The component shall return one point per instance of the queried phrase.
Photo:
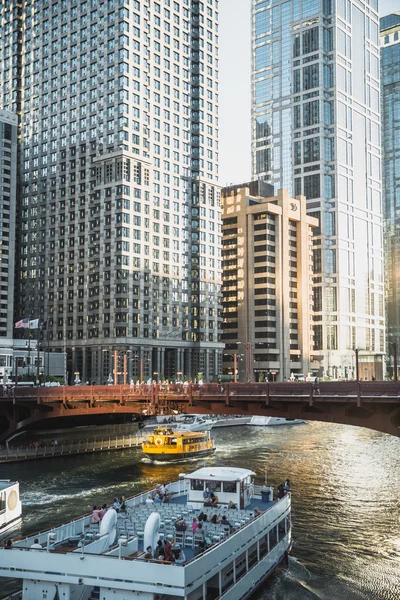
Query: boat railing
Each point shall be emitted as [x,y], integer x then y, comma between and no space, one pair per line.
[78,526]
[237,531]
[14,596]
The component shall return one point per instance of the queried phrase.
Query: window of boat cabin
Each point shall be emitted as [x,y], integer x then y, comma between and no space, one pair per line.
[2,502]
[229,487]
[214,486]
[197,484]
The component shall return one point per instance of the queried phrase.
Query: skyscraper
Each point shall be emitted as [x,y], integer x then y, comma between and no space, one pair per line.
[316,131]
[119,204]
[8,196]
[390,87]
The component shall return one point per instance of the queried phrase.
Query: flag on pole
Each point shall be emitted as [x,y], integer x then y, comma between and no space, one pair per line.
[22,324]
[27,324]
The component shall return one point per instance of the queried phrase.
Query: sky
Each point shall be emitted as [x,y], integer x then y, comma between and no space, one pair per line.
[234,88]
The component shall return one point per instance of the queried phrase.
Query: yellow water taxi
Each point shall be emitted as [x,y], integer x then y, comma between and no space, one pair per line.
[165,444]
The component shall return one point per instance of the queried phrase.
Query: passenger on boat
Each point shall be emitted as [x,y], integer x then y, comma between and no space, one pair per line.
[8,545]
[169,543]
[123,504]
[225,523]
[180,524]
[214,519]
[257,512]
[281,491]
[36,545]
[200,530]
[286,486]
[199,548]
[117,504]
[159,551]
[157,498]
[149,501]
[96,514]
[213,500]
[149,552]
[181,558]
[103,511]
[231,504]
[206,494]
[195,524]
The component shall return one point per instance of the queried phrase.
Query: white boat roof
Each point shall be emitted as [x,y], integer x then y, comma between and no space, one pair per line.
[6,483]
[220,474]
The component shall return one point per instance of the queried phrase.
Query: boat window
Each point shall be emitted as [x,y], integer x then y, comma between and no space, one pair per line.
[229,487]
[197,484]
[214,486]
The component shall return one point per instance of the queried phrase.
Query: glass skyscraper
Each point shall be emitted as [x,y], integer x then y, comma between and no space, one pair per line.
[119,210]
[316,132]
[390,87]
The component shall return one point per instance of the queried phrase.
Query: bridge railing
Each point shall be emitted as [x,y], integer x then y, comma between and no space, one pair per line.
[156,393]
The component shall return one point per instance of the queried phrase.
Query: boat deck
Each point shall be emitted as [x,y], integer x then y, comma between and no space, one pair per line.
[83,536]
[134,521]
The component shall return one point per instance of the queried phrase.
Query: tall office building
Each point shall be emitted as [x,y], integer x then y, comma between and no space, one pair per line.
[119,207]
[390,89]
[267,283]
[8,197]
[316,132]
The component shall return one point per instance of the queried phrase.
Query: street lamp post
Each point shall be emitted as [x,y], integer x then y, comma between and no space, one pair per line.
[117,353]
[248,346]
[357,368]
[394,344]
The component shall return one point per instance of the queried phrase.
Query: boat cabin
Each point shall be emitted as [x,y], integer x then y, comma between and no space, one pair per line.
[10,505]
[227,484]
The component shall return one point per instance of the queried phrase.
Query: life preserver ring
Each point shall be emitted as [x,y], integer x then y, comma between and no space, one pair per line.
[158,441]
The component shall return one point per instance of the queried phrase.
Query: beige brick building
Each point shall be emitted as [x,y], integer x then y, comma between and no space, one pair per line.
[267,279]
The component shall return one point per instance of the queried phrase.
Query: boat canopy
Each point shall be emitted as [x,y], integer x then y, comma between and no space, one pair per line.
[220,474]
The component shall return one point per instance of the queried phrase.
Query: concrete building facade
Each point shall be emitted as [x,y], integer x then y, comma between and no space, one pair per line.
[267,282]
[120,210]
[316,132]
[390,87]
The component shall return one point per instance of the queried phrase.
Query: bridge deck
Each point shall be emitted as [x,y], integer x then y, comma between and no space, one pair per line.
[370,404]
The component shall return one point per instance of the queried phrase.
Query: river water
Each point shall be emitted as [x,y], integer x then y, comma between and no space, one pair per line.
[345,484]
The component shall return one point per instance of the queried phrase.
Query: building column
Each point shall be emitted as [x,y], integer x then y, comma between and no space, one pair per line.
[178,363]
[188,363]
[161,370]
[84,374]
[206,374]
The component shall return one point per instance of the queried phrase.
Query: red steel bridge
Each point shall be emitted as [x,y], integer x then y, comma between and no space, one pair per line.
[375,405]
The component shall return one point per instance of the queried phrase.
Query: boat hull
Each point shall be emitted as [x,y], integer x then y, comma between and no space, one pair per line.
[10,526]
[165,457]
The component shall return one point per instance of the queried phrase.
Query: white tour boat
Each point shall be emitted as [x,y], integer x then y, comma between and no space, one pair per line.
[269,421]
[10,506]
[83,561]
[230,421]
[181,422]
